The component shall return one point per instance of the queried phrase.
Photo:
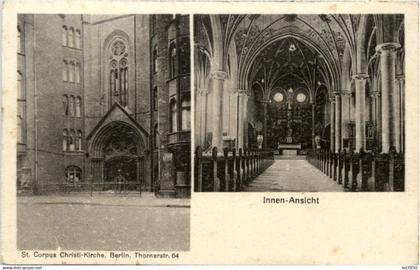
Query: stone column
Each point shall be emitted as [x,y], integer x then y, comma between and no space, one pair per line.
[376,97]
[360,83]
[332,124]
[245,115]
[218,78]
[265,105]
[345,113]
[242,96]
[401,86]
[202,92]
[337,121]
[313,126]
[388,53]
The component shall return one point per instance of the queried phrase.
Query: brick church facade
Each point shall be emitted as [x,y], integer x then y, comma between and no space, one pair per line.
[101,96]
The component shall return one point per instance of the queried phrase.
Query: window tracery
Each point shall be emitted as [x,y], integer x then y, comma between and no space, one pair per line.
[185,113]
[73,175]
[70,41]
[78,106]
[173,109]
[65,140]
[119,77]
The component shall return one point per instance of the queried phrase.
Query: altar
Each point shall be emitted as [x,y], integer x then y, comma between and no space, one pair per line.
[288,149]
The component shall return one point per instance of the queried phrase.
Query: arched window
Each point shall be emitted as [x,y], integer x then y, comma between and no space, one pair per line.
[71,105]
[20,93]
[119,75]
[155,98]
[172,60]
[65,140]
[77,72]
[155,136]
[185,111]
[65,71]
[73,175]
[173,109]
[72,139]
[72,68]
[154,62]
[184,56]
[20,129]
[77,39]
[21,122]
[19,41]
[64,35]
[78,140]
[71,37]
[123,82]
[78,105]
[66,104]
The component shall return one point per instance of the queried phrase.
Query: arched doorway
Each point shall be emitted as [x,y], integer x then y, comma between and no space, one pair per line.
[120,152]
[118,157]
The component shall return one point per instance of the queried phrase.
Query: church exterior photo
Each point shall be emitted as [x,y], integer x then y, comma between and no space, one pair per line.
[103,104]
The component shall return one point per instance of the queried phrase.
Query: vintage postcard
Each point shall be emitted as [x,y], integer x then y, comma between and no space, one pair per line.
[210,133]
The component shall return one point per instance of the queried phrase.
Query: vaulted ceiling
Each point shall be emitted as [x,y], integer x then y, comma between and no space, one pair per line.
[287,63]
[250,45]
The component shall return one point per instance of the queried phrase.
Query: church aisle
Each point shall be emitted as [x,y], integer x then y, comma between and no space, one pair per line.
[293,176]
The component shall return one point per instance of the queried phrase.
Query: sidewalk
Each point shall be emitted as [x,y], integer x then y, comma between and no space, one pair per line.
[146,199]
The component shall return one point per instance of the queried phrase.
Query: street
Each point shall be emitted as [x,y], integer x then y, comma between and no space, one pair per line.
[81,222]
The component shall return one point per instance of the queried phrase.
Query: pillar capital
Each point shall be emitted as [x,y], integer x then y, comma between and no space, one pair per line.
[360,76]
[218,75]
[400,77]
[375,94]
[389,47]
[241,92]
[203,91]
[265,101]
[337,93]
[346,93]
[332,99]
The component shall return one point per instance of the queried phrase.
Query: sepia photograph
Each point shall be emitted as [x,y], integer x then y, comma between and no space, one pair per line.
[299,103]
[209,133]
[103,132]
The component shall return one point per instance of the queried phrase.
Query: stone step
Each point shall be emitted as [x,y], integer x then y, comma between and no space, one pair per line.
[289,157]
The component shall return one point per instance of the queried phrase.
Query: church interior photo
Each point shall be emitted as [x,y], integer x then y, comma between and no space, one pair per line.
[281,98]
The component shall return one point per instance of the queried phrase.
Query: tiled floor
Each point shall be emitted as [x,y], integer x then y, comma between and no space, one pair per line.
[293,176]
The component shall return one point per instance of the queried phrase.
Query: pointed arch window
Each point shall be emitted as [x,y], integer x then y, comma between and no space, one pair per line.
[65,140]
[72,68]
[77,72]
[64,35]
[172,60]
[186,113]
[72,140]
[173,120]
[77,39]
[65,71]
[71,105]
[155,136]
[155,98]
[119,73]
[19,129]
[79,140]
[78,106]
[70,41]
[154,62]
[184,56]
[20,93]
[66,104]
[20,40]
